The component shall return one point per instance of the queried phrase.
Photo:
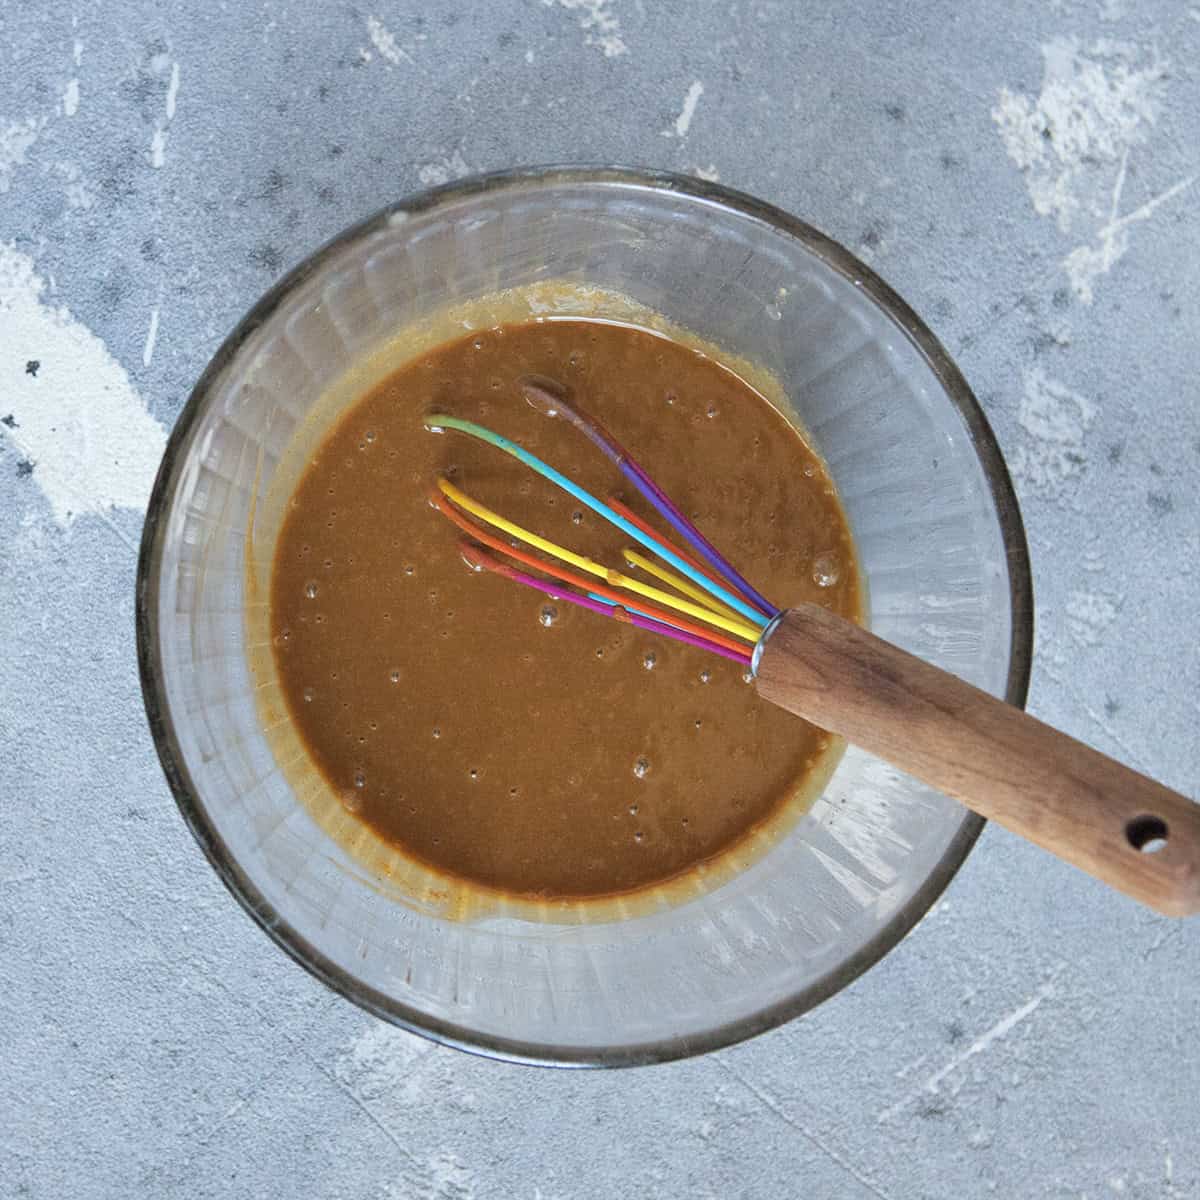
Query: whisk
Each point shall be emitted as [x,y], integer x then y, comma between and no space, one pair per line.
[1119,826]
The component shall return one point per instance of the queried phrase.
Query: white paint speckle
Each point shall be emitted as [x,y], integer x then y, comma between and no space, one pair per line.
[380,1060]
[78,419]
[441,1175]
[1092,107]
[529,56]
[709,173]
[15,139]
[434,173]
[1089,614]
[158,139]
[151,337]
[1085,264]
[172,92]
[683,122]
[75,190]
[385,42]
[1072,143]
[1055,421]
[451,1178]
[70,100]
[599,23]
[1000,1030]
[77,52]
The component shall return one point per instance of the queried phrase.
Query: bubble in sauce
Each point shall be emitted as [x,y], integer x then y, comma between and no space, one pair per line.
[394,674]
[705,675]
[548,615]
[310,589]
[308,695]
[641,768]
[352,800]
[826,570]
[650,661]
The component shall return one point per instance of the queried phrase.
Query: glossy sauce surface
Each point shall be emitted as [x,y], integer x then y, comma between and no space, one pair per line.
[506,739]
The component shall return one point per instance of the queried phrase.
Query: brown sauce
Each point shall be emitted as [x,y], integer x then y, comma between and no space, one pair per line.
[505,739]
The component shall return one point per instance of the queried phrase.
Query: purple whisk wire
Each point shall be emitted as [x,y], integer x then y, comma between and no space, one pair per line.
[546,397]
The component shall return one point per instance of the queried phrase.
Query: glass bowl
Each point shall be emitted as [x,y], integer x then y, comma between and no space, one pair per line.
[942,554]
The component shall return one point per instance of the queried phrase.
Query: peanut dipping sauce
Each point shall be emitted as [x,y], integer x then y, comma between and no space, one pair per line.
[509,740]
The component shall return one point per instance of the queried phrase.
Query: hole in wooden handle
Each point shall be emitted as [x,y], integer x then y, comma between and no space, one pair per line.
[1147,834]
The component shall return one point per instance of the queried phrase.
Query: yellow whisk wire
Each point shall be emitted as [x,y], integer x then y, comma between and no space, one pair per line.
[734,625]
[634,559]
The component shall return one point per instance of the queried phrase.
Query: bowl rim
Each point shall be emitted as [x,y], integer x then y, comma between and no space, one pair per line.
[187,797]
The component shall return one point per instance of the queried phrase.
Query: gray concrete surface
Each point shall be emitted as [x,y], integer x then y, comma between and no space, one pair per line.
[1027,174]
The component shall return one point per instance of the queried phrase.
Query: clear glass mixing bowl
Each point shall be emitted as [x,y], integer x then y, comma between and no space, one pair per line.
[942,552]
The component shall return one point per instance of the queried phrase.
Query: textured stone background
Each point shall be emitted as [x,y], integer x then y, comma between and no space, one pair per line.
[1025,174]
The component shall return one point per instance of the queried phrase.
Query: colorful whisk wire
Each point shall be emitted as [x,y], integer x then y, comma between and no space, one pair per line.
[438,422]
[710,600]
[601,598]
[481,560]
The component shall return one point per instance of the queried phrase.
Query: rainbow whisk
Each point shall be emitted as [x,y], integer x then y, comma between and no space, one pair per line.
[711,606]
[1114,823]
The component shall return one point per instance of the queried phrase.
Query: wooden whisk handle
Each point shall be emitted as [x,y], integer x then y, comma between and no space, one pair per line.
[1121,827]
